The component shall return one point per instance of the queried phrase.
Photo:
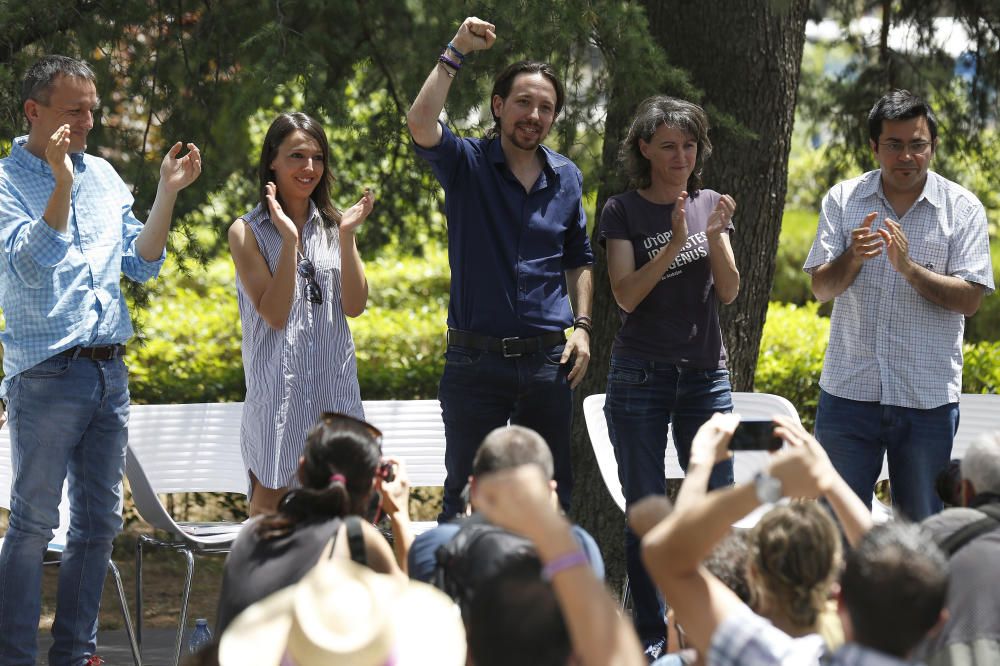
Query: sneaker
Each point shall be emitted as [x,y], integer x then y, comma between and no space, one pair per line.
[94,660]
[653,649]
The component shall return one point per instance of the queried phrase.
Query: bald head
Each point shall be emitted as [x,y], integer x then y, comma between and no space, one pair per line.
[512,446]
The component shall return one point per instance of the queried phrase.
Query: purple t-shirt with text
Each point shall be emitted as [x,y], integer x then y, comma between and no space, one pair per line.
[678,321]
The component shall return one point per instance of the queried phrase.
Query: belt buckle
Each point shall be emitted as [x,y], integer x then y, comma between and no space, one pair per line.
[504,350]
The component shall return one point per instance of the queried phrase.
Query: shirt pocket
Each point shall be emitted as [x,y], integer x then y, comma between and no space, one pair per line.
[931,254]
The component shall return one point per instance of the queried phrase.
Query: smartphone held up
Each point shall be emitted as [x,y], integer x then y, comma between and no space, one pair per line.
[755,435]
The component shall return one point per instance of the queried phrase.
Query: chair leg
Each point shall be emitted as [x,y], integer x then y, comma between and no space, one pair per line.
[138,594]
[184,606]
[129,630]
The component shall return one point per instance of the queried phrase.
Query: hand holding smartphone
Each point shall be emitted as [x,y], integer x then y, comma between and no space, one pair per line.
[755,435]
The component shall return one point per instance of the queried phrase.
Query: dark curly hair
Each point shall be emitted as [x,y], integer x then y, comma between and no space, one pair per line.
[651,114]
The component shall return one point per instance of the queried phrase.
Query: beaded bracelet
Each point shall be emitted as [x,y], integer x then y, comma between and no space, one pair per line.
[448,61]
[451,47]
[563,562]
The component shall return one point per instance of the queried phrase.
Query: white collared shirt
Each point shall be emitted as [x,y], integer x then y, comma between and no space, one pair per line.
[889,344]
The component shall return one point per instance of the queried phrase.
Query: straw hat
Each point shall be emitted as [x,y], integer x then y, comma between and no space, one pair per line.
[344,613]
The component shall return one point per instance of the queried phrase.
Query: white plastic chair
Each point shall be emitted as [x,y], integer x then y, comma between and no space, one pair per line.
[745,463]
[178,449]
[57,545]
[412,431]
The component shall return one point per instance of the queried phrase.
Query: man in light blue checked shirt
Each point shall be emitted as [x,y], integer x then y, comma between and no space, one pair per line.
[905,256]
[68,233]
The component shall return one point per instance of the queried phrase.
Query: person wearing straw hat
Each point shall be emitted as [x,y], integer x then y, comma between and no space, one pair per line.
[344,613]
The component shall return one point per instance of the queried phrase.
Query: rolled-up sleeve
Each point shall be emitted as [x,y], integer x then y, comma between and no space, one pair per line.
[134,267]
[30,246]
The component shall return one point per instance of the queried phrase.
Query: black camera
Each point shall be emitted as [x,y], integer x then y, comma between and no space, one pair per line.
[386,471]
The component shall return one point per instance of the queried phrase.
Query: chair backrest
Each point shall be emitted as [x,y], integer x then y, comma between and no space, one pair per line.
[597,429]
[412,430]
[7,480]
[745,464]
[183,448]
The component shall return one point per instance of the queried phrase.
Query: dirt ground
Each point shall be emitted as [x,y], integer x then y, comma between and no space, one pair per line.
[163,578]
[163,572]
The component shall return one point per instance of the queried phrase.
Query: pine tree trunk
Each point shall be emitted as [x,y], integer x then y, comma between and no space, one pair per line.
[745,56]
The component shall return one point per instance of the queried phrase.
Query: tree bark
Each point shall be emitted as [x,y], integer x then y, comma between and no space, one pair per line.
[745,56]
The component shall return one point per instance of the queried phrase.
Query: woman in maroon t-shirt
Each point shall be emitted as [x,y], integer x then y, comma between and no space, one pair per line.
[670,264]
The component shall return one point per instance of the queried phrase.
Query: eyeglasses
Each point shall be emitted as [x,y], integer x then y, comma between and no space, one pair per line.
[912,148]
[331,418]
[308,271]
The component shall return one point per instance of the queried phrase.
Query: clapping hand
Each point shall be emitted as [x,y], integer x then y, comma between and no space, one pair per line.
[176,173]
[865,243]
[57,154]
[286,227]
[721,215]
[358,213]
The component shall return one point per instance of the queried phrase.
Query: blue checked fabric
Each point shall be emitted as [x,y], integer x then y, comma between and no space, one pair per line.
[746,639]
[888,344]
[62,290]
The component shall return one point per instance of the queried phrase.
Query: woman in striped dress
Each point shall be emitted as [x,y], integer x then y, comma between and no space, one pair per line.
[298,273]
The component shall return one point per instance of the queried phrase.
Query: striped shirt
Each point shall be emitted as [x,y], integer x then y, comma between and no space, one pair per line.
[60,290]
[888,343]
[306,368]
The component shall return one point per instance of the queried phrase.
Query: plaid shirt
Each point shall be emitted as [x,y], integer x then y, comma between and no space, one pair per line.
[889,344]
[746,639]
[60,290]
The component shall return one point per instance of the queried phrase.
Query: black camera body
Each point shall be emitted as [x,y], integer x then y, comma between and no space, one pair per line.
[386,471]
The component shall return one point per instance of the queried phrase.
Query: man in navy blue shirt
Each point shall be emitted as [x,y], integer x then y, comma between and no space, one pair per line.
[519,257]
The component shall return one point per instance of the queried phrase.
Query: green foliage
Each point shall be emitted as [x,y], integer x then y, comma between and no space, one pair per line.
[190,349]
[400,339]
[791,283]
[791,356]
[981,372]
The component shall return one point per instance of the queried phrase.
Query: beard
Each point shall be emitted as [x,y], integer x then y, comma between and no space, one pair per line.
[525,142]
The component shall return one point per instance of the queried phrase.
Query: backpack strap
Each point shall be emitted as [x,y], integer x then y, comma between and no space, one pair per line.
[954,542]
[356,540]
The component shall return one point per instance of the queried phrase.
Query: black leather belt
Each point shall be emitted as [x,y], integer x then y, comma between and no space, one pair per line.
[102,353]
[509,347]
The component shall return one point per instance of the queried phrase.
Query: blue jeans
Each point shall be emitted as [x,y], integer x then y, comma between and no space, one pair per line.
[481,390]
[916,442]
[643,399]
[67,417]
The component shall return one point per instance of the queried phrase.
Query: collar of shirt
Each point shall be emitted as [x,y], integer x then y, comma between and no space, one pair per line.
[932,193]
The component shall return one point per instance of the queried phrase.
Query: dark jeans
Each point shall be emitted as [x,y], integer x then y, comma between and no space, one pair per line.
[916,442]
[643,399]
[481,390]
